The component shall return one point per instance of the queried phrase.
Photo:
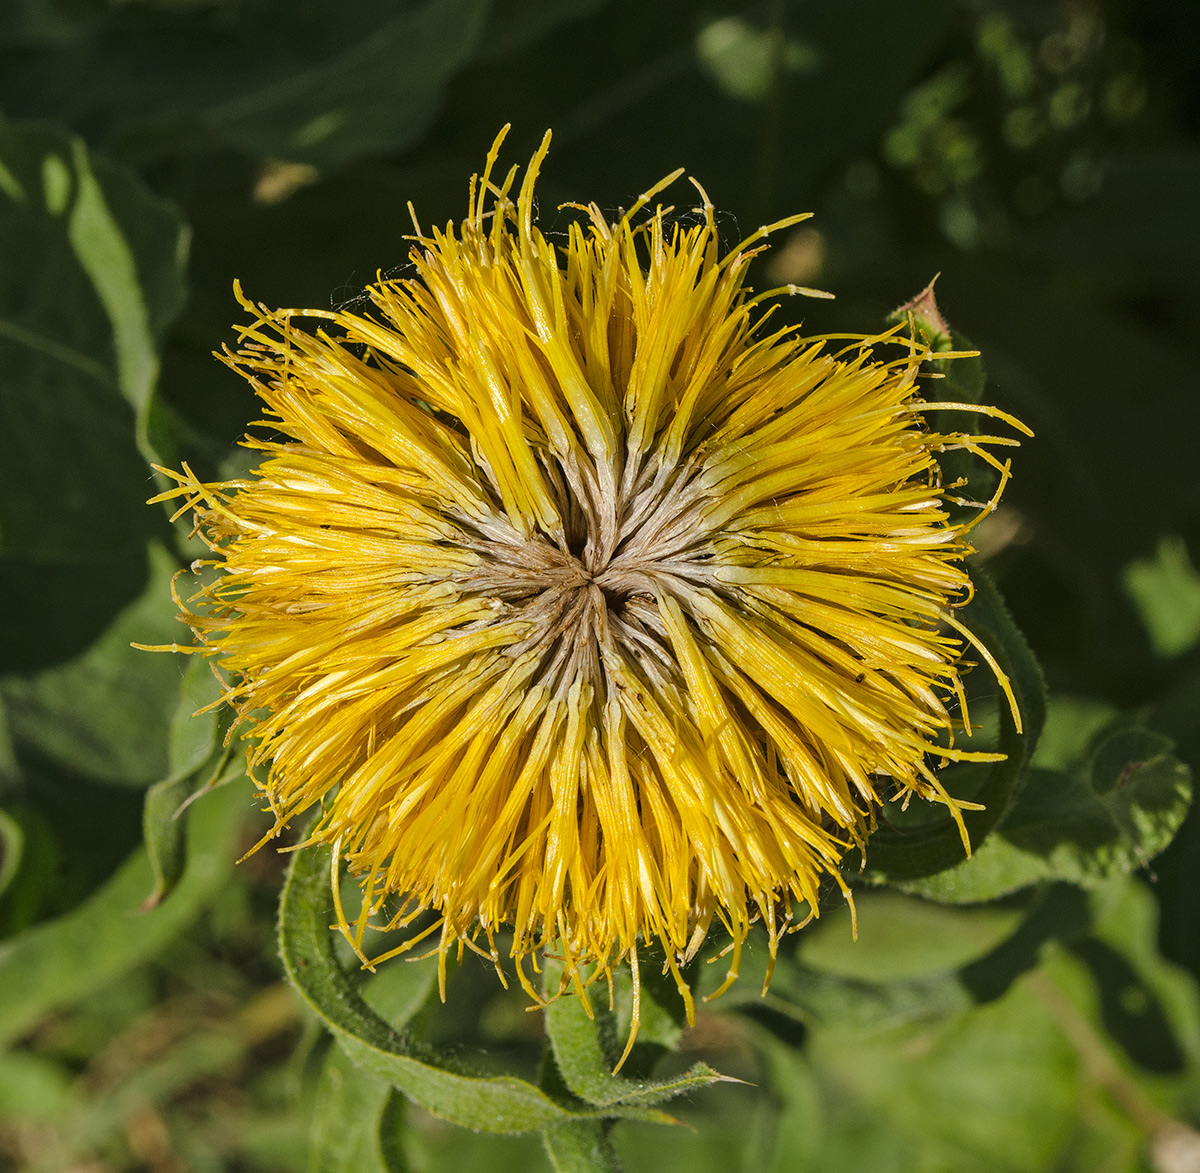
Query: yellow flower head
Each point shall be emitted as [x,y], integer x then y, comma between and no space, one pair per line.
[585,606]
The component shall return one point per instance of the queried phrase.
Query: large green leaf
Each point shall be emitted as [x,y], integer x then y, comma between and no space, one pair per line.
[91,276]
[196,757]
[319,86]
[988,1091]
[439,1084]
[375,96]
[900,936]
[109,712]
[1104,820]
[880,989]
[796,1143]
[63,959]
[92,268]
[903,849]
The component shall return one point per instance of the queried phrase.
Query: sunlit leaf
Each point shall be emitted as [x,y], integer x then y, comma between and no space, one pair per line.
[884,991]
[1166,591]
[900,936]
[991,1089]
[12,844]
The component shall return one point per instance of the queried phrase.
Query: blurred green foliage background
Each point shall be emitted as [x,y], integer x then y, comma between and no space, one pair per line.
[1042,157]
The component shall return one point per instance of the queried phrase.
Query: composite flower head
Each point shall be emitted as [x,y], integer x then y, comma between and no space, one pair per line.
[590,608]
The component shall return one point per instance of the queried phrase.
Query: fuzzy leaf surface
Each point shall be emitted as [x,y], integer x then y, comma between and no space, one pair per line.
[64,959]
[440,1085]
[586,1050]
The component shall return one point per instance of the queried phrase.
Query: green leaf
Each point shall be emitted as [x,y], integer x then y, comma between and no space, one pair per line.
[348,1110]
[316,86]
[37,876]
[165,814]
[901,936]
[93,276]
[964,379]
[392,1132]
[994,1089]
[63,959]
[441,1085]
[374,97]
[194,736]
[586,1049]
[196,758]
[12,844]
[1106,820]
[1145,790]
[164,832]
[34,1088]
[900,853]
[108,713]
[513,24]
[397,992]
[93,268]
[580,1147]
[1073,724]
[1166,591]
[796,1142]
[803,991]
